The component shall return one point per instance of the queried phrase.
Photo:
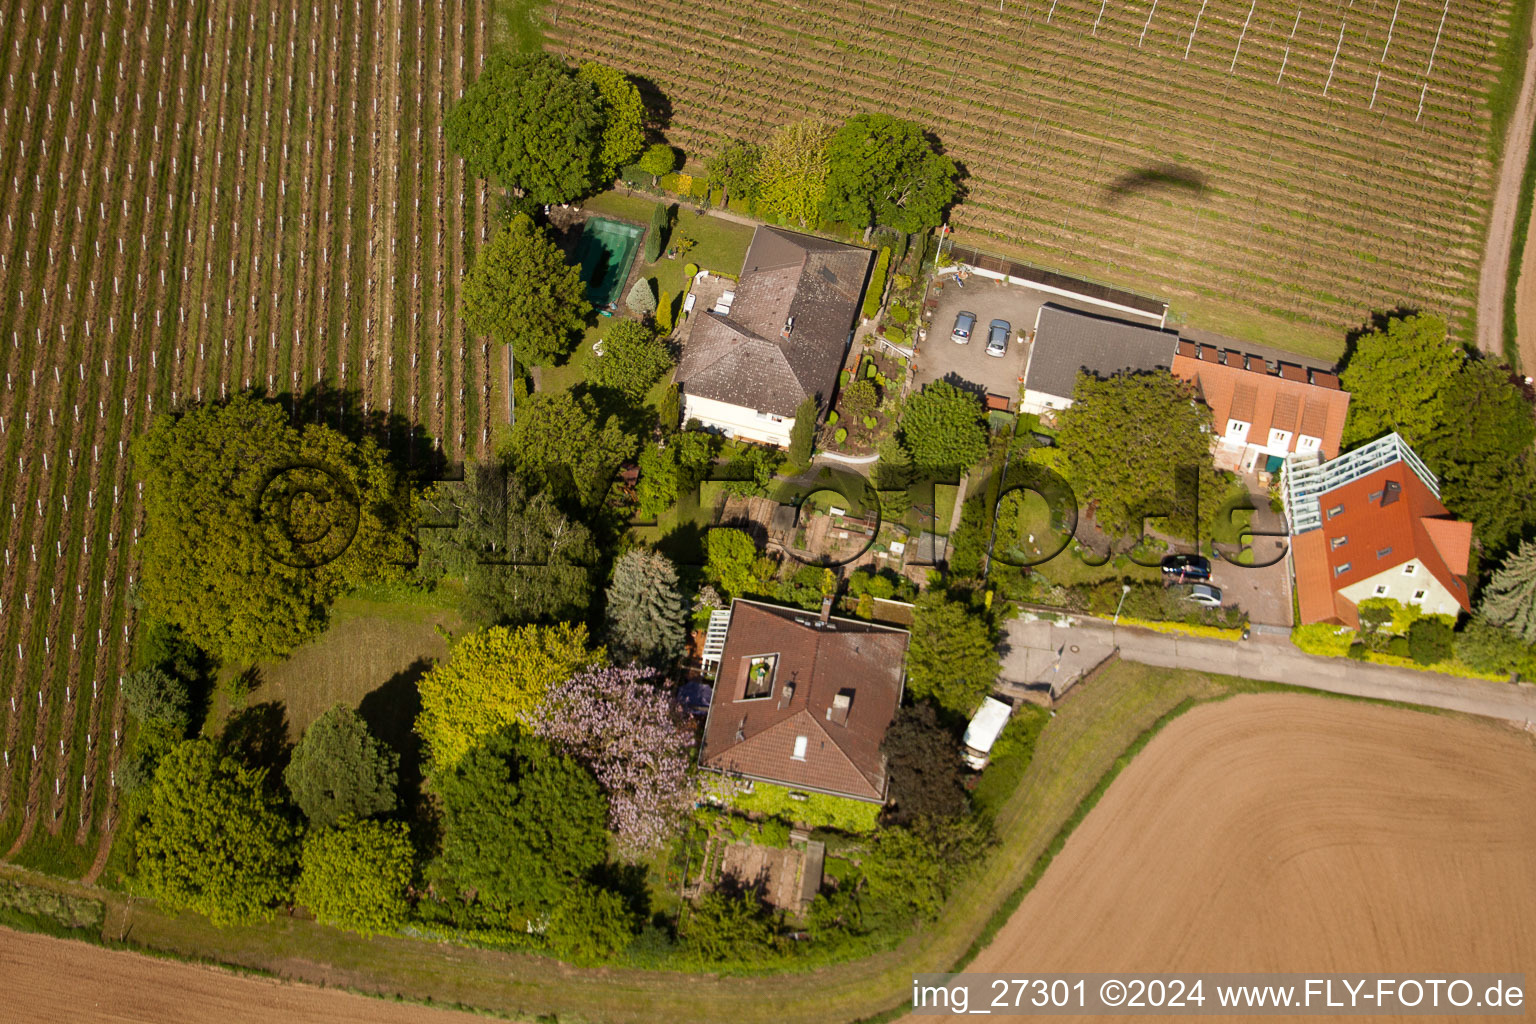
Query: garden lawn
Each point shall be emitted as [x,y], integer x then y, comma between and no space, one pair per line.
[721,244]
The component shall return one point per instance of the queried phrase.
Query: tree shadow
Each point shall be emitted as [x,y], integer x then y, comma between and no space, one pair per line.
[390,712]
[658,106]
[1162,177]
[257,737]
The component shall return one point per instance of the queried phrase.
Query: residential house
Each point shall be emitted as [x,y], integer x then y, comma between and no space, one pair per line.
[803,700]
[750,362]
[1068,341]
[1370,524]
[1263,411]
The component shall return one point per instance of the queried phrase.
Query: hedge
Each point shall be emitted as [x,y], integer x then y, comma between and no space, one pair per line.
[817,809]
[877,283]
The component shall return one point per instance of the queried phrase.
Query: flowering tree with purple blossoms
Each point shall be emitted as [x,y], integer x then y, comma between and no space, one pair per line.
[619,723]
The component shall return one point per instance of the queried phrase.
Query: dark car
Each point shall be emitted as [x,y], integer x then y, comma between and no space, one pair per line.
[997,338]
[964,324]
[1187,567]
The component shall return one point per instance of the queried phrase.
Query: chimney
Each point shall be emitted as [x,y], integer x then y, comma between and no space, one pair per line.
[826,610]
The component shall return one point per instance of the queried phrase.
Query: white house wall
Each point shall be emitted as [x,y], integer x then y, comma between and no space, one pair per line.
[738,421]
[1401,586]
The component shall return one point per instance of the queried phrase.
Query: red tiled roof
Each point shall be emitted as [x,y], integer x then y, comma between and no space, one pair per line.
[757,737]
[1265,400]
[1383,520]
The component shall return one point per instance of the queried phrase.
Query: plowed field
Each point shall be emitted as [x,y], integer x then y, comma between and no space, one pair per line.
[1290,833]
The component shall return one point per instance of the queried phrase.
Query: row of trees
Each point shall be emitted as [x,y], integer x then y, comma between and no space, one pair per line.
[873,171]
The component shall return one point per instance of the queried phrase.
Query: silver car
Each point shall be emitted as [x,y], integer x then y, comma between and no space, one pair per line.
[964,324]
[997,338]
[1204,593]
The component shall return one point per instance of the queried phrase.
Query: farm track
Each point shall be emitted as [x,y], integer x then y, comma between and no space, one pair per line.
[1327,162]
[187,214]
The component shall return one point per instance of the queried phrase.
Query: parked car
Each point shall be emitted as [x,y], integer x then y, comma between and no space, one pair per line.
[983,731]
[964,324]
[1187,567]
[997,338]
[1204,593]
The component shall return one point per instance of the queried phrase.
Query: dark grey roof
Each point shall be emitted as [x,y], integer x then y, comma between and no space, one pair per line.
[1068,341]
[745,358]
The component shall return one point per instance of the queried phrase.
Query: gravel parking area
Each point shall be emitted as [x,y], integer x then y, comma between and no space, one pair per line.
[968,365]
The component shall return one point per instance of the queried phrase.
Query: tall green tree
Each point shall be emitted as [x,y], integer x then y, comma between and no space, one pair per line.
[658,159]
[942,426]
[212,840]
[1485,461]
[1138,445]
[522,824]
[531,125]
[728,927]
[730,554]
[656,235]
[883,172]
[1396,376]
[802,436]
[733,169]
[634,358]
[357,875]
[924,767]
[1509,599]
[254,526]
[641,299]
[494,678]
[341,770]
[792,174]
[647,618]
[154,696]
[952,659]
[623,116]
[667,472]
[519,557]
[566,444]
[523,293]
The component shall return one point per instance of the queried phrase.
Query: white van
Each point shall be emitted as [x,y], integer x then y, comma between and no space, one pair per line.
[985,727]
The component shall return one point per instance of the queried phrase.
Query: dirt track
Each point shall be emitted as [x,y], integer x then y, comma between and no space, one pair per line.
[1291,833]
[1494,275]
[54,981]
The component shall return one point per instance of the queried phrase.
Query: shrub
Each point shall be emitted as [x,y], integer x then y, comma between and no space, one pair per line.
[815,809]
[831,417]
[871,422]
[896,334]
[842,378]
[841,435]
[900,314]
[664,313]
[1357,651]
[870,371]
[1430,641]
[876,284]
[1322,638]
[1398,647]
[691,271]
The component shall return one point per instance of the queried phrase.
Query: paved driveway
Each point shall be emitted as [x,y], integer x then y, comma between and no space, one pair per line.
[969,366]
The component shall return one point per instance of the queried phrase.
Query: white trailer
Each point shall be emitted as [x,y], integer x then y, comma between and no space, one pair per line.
[985,727]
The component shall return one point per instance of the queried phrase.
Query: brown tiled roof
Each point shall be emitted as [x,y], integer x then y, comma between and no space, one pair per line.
[815,664]
[745,357]
[1377,530]
[1264,400]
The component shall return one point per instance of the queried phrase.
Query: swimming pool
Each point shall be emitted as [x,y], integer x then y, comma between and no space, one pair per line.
[606,252]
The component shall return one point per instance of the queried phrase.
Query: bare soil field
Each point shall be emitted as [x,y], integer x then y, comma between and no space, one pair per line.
[56,981]
[1286,833]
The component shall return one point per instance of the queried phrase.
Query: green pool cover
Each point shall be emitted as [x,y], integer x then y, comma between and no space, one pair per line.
[606,252]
